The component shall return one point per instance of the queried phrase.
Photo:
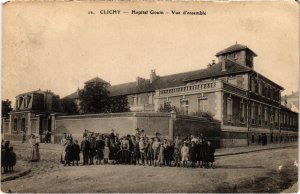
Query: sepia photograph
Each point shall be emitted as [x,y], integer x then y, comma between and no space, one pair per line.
[150,97]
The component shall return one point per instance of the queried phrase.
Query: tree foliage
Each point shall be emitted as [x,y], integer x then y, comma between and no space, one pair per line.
[69,106]
[94,98]
[6,107]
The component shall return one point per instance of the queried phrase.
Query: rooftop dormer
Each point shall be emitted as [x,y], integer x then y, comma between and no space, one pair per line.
[239,53]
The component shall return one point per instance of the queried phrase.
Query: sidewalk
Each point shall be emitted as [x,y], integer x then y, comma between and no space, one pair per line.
[247,149]
[21,169]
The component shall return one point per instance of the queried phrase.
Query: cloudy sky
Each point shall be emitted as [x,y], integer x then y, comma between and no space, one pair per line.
[59,46]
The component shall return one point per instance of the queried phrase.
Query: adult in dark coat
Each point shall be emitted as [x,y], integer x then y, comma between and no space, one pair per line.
[68,155]
[85,148]
[92,140]
[200,153]
[193,153]
[76,150]
[5,155]
[210,154]
[99,150]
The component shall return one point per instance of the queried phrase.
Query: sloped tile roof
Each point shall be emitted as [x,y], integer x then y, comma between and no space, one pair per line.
[179,79]
[233,48]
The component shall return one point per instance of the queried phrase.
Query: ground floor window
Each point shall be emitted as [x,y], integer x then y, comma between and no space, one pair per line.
[184,107]
[203,105]
[229,109]
[15,125]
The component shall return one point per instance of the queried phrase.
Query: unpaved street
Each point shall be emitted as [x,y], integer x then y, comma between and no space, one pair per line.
[265,171]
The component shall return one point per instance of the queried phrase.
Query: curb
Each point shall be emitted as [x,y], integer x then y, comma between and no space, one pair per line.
[15,176]
[245,152]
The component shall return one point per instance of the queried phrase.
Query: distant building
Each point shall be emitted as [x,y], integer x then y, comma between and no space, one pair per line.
[32,114]
[247,103]
[291,101]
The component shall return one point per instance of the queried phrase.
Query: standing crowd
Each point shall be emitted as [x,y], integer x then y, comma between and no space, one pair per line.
[138,149]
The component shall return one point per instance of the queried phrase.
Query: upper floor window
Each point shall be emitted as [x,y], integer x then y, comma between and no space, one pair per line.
[253,85]
[266,115]
[184,106]
[259,114]
[229,109]
[260,88]
[253,113]
[203,104]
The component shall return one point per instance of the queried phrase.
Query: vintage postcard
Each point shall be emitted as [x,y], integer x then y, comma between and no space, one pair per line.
[150,97]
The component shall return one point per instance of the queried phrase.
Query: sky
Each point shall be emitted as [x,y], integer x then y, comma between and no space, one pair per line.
[59,46]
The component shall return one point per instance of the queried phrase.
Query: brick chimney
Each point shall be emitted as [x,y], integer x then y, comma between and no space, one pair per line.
[153,75]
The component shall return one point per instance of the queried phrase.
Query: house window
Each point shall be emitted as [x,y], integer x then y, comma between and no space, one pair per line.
[184,106]
[242,112]
[266,115]
[253,85]
[259,114]
[23,124]
[229,109]
[260,88]
[253,113]
[276,117]
[15,124]
[203,105]
[252,138]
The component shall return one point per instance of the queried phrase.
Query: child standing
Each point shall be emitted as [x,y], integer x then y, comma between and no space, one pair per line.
[185,154]
[176,157]
[210,154]
[76,150]
[106,153]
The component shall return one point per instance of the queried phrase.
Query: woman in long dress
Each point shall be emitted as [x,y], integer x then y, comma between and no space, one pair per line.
[64,144]
[35,153]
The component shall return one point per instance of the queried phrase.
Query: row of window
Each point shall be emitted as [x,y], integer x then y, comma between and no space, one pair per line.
[261,114]
[20,100]
[264,89]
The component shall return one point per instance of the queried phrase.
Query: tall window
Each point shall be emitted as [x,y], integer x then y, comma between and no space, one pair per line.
[259,114]
[203,105]
[266,115]
[271,116]
[184,106]
[15,125]
[253,83]
[242,111]
[260,88]
[23,124]
[276,117]
[252,113]
[229,109]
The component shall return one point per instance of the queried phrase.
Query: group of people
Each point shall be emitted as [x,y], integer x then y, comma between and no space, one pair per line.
[8,157]
[138,149]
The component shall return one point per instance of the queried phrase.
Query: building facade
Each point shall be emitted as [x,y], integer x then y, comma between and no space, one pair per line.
[247,103]
[33,114]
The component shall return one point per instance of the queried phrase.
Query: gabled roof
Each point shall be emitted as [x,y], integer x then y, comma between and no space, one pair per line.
[95,79]
[234,48]
[179,79]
